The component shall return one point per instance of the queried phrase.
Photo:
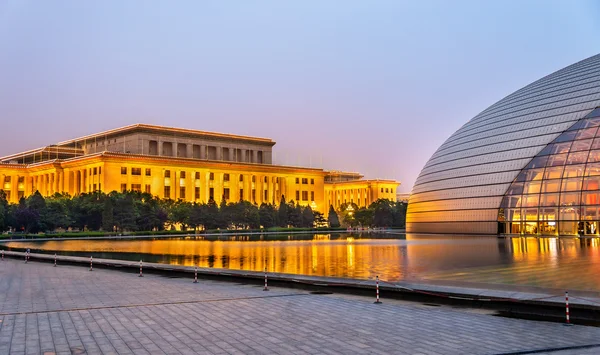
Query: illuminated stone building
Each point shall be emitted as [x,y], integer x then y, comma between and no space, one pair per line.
[529,164]
[183,164]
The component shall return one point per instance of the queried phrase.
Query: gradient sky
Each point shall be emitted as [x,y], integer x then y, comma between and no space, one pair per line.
[367,86]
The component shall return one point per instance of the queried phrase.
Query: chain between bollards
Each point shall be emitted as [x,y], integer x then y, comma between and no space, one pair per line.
[141,274]
[567,308]
[266,288]
[195,274]
[91,262]
[377,301]
[54,259]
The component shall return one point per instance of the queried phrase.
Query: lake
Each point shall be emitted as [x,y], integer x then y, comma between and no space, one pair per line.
[567,263]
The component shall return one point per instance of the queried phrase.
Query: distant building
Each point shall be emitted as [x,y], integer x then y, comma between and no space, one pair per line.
[181,164]
[402,197]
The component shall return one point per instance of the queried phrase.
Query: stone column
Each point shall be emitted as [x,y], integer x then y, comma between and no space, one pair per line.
[14,188]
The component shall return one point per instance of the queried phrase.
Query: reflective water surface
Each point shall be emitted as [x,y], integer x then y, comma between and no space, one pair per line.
[568,263]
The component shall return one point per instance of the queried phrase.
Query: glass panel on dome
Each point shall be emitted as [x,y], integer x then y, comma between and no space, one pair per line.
[550,186]
[530,227]
[594,156]
[581,145]
[577,126]
[549,200]
[567,227]
[537,162]
[530,174]
[589,213]
[574,171]
[569,198]
[596,143]
[591,183]
[548,214]
[577,157]
[532,187]
[554,173]
[530,214]
[595,113]
[511,202]
[592,169]
[531,200]
[558,159]
[515,189]
[571,184]
[513,214]
[590,198]
[586,133]
[548,228]
[570,213]
[591,122]
[566,137]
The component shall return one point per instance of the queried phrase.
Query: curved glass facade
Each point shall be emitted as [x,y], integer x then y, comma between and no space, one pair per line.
[464,183]
[558,192]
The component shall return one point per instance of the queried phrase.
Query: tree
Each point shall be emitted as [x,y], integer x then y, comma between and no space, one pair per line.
[319,219]
[195,218]
[382,213]
[4,212]
[308,218]
[57,213]
[399,214]
[282,215]
[332,217]
[180,213]
[294,214]
[124,213]
[108,223]
[364,217]
[211,215]
[267,215]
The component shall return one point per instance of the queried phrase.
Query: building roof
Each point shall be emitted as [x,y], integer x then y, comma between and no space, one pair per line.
[141,127]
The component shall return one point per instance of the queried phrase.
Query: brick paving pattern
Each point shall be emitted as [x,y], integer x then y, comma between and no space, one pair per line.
[69,310]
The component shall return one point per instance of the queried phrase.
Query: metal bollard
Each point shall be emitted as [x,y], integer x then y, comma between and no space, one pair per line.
[377,301]
[141,274]
[26,257]
[54,259]
[195,274]
[266,287]
[91,266]
[567,308]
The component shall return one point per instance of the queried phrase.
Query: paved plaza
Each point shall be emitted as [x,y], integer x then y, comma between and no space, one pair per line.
[70,310]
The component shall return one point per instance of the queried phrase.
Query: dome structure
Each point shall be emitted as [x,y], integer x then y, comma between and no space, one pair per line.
[529,164]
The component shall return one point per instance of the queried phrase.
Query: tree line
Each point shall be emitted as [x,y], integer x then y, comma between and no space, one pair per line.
[136,211]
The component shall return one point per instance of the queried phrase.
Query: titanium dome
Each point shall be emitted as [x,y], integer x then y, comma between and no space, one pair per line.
[525,165]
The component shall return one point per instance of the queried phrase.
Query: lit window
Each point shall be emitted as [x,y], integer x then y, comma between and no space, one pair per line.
[136,171]
[225,177]
[148,172]
[123,170]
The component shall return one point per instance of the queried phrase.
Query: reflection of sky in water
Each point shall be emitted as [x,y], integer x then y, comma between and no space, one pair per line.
[544,262]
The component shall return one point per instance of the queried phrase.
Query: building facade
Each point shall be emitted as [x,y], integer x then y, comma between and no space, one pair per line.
[179,164]
[526,165]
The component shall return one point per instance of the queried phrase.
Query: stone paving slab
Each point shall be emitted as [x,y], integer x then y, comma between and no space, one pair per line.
[69,309]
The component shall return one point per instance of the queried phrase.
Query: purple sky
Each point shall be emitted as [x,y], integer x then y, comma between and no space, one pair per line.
[373,87]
